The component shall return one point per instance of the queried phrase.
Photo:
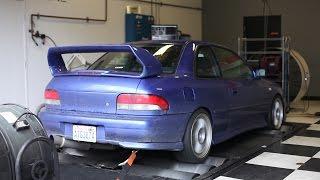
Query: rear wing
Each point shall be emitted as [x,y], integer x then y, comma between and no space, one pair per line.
[151,66]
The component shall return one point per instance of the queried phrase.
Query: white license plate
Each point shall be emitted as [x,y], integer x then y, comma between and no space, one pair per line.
[84,133]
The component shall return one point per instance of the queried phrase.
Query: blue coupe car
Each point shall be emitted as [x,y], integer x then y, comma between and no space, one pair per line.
[182,96]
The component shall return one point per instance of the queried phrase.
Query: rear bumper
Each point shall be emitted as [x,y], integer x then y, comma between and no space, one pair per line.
[163,132]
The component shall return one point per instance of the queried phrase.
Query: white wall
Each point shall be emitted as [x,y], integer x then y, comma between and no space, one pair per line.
[12,49]
[37,75]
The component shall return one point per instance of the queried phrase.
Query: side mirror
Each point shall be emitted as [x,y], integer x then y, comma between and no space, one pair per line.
[260,73]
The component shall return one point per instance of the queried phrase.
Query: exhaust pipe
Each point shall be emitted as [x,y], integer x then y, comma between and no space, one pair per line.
[62,142]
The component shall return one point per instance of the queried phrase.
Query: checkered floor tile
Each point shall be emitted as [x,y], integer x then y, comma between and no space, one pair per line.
[298,150]
[257,172]
[314,127]
[279,160]
[307,133]
[303,141]
[303,175]
[296,158]
[225,178]
[303,120]
[317,155]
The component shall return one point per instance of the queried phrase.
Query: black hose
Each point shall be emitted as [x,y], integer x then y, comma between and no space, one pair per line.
[39,108]
[53,42]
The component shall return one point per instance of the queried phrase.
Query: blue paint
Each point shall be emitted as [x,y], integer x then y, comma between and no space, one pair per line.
[84,95]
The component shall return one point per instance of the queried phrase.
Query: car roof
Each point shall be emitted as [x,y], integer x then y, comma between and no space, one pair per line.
[178,42]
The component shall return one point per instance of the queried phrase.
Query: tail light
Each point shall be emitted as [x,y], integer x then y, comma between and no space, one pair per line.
[141,102]
[52,97]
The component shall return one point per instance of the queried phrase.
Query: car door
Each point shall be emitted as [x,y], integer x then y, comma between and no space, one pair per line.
[244,90]
[211,90]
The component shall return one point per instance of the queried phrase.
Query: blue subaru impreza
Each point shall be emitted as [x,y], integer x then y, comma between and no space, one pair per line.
[181,96]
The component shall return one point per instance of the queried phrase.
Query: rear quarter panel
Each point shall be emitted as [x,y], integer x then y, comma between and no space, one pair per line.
[170,87]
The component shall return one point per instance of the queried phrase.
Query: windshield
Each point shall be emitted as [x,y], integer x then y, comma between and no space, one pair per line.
[167,54]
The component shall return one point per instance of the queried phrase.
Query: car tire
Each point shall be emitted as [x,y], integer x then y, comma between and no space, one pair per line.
[276,114]
[197,139]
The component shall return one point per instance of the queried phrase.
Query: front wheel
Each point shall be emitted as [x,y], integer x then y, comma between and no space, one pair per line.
[277,114]
[197,139]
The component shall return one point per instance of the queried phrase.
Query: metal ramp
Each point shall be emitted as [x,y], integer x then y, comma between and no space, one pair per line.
[99,164]
[148,164]
[170,168]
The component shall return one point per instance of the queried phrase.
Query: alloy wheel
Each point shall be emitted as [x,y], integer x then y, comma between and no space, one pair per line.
[277,113]
[201,133]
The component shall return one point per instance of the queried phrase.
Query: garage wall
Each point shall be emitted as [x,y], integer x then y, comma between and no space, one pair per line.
[223,21]
[12,45]
[26,73]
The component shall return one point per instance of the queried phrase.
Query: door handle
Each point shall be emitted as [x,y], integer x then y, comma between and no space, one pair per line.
[233,91]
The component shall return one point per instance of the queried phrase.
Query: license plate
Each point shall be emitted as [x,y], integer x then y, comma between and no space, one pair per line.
[84,133]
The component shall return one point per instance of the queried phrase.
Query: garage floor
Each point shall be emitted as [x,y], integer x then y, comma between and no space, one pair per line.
[292,153]
[294,158]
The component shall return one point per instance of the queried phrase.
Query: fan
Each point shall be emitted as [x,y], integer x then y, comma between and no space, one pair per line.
[25,150]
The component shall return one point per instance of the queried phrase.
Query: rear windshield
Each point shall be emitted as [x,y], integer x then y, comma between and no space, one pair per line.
[167,54]
[117,61]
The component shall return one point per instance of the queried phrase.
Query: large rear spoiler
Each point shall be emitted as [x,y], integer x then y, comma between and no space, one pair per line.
[151,66]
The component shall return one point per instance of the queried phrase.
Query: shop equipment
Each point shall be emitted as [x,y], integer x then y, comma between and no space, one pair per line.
[25,151]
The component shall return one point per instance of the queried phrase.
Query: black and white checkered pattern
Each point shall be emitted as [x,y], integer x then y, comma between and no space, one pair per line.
[297,158]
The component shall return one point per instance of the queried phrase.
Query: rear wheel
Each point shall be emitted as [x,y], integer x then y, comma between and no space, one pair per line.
[197,139]
[277,114]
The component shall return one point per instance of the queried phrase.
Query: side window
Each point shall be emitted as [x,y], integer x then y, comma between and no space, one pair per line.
[231,64]
[206,65]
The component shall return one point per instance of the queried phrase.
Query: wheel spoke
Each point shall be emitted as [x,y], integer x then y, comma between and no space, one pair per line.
[198,147]
[276,105]
[275,122]
[198,125]
[281,114]
[202,123]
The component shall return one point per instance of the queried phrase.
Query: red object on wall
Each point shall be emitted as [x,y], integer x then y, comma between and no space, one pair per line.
[272,64]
